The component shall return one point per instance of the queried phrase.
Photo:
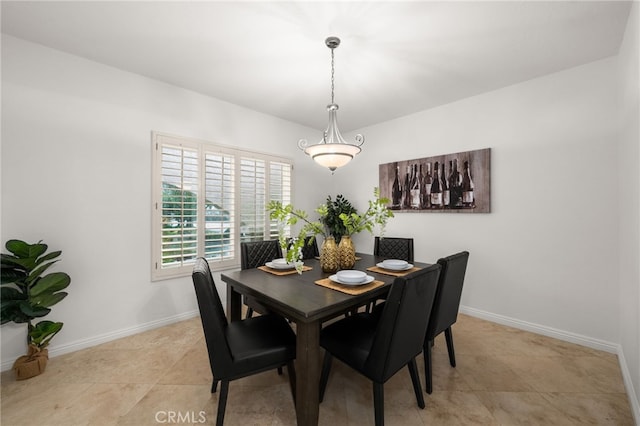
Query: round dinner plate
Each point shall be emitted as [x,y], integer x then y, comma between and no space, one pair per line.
[351,276]
[282,266]
[366,280]
[404,268]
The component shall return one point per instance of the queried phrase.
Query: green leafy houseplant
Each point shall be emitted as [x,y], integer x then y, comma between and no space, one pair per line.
[350,222]
[28,294]
[287,216]
[376,215]
[330,215]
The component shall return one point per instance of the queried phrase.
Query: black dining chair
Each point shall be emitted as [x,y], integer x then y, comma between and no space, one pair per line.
[378,346]
[391,248]
[445,309]
[240,348]
[394,248]
[252,255]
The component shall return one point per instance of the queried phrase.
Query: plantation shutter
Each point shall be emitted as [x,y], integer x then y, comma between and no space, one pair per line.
[179,171]
[219,207]
[207,199]
[279,190]
[253,189]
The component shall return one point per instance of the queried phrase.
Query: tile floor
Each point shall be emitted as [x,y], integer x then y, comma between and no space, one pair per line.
[504,376]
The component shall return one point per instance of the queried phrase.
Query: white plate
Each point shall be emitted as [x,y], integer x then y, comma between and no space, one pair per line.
[280,265]
[404,268]
[394,263]
[366,281]
[351,276]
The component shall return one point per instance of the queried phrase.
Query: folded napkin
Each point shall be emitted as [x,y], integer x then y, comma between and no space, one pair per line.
[349,289]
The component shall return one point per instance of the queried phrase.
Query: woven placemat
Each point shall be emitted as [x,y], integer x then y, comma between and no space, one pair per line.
[353,290]
[284,271]
[392,273]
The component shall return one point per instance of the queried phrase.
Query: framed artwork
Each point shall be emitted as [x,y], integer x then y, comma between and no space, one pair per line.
[459,182]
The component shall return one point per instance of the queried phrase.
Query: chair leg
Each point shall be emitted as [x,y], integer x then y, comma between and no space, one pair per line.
[452,355]
[417,388]
[426,351]
[214,386]
[280,371]
[249,313]
[222,402]
[291,370]
[369,307]
[324,376]
[378,403]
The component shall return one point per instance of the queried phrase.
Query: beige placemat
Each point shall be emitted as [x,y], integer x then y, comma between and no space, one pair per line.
[353,290]
[284,271]
[393,273]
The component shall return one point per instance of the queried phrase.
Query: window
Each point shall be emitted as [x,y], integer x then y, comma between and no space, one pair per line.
[207,199]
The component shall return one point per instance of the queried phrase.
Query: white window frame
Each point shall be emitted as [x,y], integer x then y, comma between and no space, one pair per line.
[160,139]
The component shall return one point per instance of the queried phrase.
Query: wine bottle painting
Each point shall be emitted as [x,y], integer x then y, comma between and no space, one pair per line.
[459,182]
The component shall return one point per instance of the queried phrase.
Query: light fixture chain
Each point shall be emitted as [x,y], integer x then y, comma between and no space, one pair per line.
[332,151]
[332,71]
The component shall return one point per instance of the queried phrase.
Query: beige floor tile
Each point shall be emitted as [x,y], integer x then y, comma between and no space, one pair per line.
[100,404]
[491,373]
[192,369]
[37,406]
[553,374]
[523,409]
[593,409]
[164,402]
[603,373]
[445,408]
[402,418]
[504,376]
[444,376]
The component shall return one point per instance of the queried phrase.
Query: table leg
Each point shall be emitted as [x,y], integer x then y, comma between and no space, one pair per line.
[234,304]
[307,373]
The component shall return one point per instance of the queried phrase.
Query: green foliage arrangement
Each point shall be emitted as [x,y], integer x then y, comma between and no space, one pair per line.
[350,222]
[288,216]
[376,215]
[26,293]
[330,215]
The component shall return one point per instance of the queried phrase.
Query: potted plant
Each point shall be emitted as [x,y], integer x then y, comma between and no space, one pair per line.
[330,215]
[28,294]
[350,223]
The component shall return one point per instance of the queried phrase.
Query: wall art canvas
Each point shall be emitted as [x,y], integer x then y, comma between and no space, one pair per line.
[459,183]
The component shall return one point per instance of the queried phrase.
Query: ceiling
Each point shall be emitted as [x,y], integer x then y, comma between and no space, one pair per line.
[395,58]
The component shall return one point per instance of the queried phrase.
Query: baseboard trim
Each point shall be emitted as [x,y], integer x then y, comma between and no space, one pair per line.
[567,337]
[578,339]
[107,337]
[628,384]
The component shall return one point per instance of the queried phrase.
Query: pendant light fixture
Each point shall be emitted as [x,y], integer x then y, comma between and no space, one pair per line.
[332,151]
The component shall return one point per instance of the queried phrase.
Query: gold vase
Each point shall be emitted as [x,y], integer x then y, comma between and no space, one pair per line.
[329,261]
[346,253]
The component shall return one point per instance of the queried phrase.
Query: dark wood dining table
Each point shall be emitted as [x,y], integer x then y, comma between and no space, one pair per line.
[308,305]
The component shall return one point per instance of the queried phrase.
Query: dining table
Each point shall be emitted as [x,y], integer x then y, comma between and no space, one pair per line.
[305,301]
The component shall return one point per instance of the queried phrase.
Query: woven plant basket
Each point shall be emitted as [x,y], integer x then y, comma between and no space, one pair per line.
[32,364]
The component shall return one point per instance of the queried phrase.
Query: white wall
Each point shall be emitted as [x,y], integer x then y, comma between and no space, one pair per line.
[76,173]
[559,252]
[629,196]
[76,160]
[547,254]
